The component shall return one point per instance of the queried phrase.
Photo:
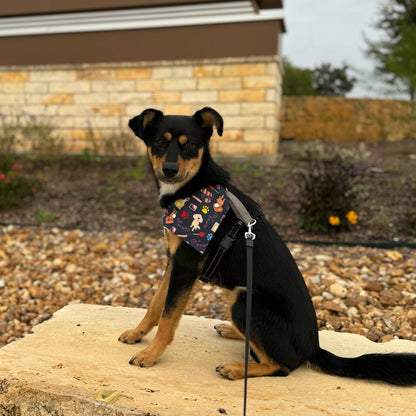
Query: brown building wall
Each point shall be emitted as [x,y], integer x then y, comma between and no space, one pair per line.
[190,42]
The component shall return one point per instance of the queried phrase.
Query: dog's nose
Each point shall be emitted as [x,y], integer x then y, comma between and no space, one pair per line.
[170,169]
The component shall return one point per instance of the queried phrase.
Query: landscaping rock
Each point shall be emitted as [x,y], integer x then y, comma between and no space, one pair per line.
[354,289]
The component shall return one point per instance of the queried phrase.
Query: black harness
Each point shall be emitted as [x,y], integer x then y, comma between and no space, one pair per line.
[231,233]
[225,244]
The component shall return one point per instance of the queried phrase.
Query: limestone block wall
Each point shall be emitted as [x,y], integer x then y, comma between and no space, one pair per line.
[90,105]
[339,119]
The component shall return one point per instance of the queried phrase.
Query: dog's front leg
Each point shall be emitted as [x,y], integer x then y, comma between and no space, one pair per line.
[153,313]
[186,268]
[157,303]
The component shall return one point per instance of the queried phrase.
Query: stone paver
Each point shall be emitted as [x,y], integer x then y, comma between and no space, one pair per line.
[70,358]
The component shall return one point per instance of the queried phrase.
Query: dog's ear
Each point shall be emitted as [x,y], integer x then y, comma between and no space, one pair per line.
[208,118]
[144,124]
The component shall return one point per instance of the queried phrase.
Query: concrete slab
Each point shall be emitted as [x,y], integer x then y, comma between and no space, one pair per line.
[61,367]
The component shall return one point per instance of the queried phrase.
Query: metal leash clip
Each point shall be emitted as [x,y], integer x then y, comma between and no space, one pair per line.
[249,235]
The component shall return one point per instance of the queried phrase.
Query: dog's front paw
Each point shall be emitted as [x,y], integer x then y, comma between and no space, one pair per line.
[142,359]
[131,336]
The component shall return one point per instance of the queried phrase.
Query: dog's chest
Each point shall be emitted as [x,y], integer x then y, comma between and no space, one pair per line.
[196,219]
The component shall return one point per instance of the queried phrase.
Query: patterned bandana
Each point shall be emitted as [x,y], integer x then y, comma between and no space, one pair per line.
[196,218]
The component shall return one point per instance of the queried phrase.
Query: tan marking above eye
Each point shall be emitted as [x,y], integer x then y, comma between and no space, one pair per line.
[167,135]
[183,140]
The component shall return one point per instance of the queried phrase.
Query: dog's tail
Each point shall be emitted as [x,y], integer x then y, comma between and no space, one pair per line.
[394,368]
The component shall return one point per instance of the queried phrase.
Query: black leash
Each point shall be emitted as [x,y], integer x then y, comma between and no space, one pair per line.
[231,234]
[250,236]
[241,212]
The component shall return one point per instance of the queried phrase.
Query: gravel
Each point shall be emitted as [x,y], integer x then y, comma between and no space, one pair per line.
[358,289]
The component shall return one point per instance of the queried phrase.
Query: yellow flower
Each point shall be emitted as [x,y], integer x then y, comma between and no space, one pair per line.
[352,217]
[334,220]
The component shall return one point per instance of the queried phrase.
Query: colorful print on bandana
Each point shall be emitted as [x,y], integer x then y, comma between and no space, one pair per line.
[196,218]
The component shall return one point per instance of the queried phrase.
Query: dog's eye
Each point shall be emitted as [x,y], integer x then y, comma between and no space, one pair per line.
[189,146]
[160,143]
[189,150]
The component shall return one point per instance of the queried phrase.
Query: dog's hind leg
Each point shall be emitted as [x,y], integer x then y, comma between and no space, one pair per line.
[229,331]
[270,346]
[264,367]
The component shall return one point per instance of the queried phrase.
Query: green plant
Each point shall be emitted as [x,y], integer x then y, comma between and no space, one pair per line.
[118,205]
[320,151]
[44,216]
[115,179]
[119,142]
[91,153]
[26,131]
[278,178]
[8,134]
[41,135]
[328,195]
[14,187]
[136,173]
[328,80]
[394,52]
[296,81]
[239,167]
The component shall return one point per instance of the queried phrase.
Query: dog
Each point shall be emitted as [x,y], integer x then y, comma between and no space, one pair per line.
[283,332]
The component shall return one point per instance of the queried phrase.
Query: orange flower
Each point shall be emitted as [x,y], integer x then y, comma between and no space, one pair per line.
[334,220]
[352,217]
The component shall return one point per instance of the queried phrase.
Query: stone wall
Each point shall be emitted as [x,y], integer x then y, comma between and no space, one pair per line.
[338,119]
[91,104]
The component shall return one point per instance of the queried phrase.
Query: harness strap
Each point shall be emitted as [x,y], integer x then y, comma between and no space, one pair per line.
[223,247]
[239,209]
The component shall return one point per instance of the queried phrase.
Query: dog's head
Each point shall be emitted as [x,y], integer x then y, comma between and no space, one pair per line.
[176,144]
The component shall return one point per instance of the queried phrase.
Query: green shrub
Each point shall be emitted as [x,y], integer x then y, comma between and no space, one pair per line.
[44,216]
[320,151]
[42,136]
[9,134]
[24,130]
[328,196]
[14,187]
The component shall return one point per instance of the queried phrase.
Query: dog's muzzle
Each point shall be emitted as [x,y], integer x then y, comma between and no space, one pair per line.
[170,169]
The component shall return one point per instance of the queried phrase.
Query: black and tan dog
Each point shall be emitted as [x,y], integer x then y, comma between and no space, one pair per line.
[284,331]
